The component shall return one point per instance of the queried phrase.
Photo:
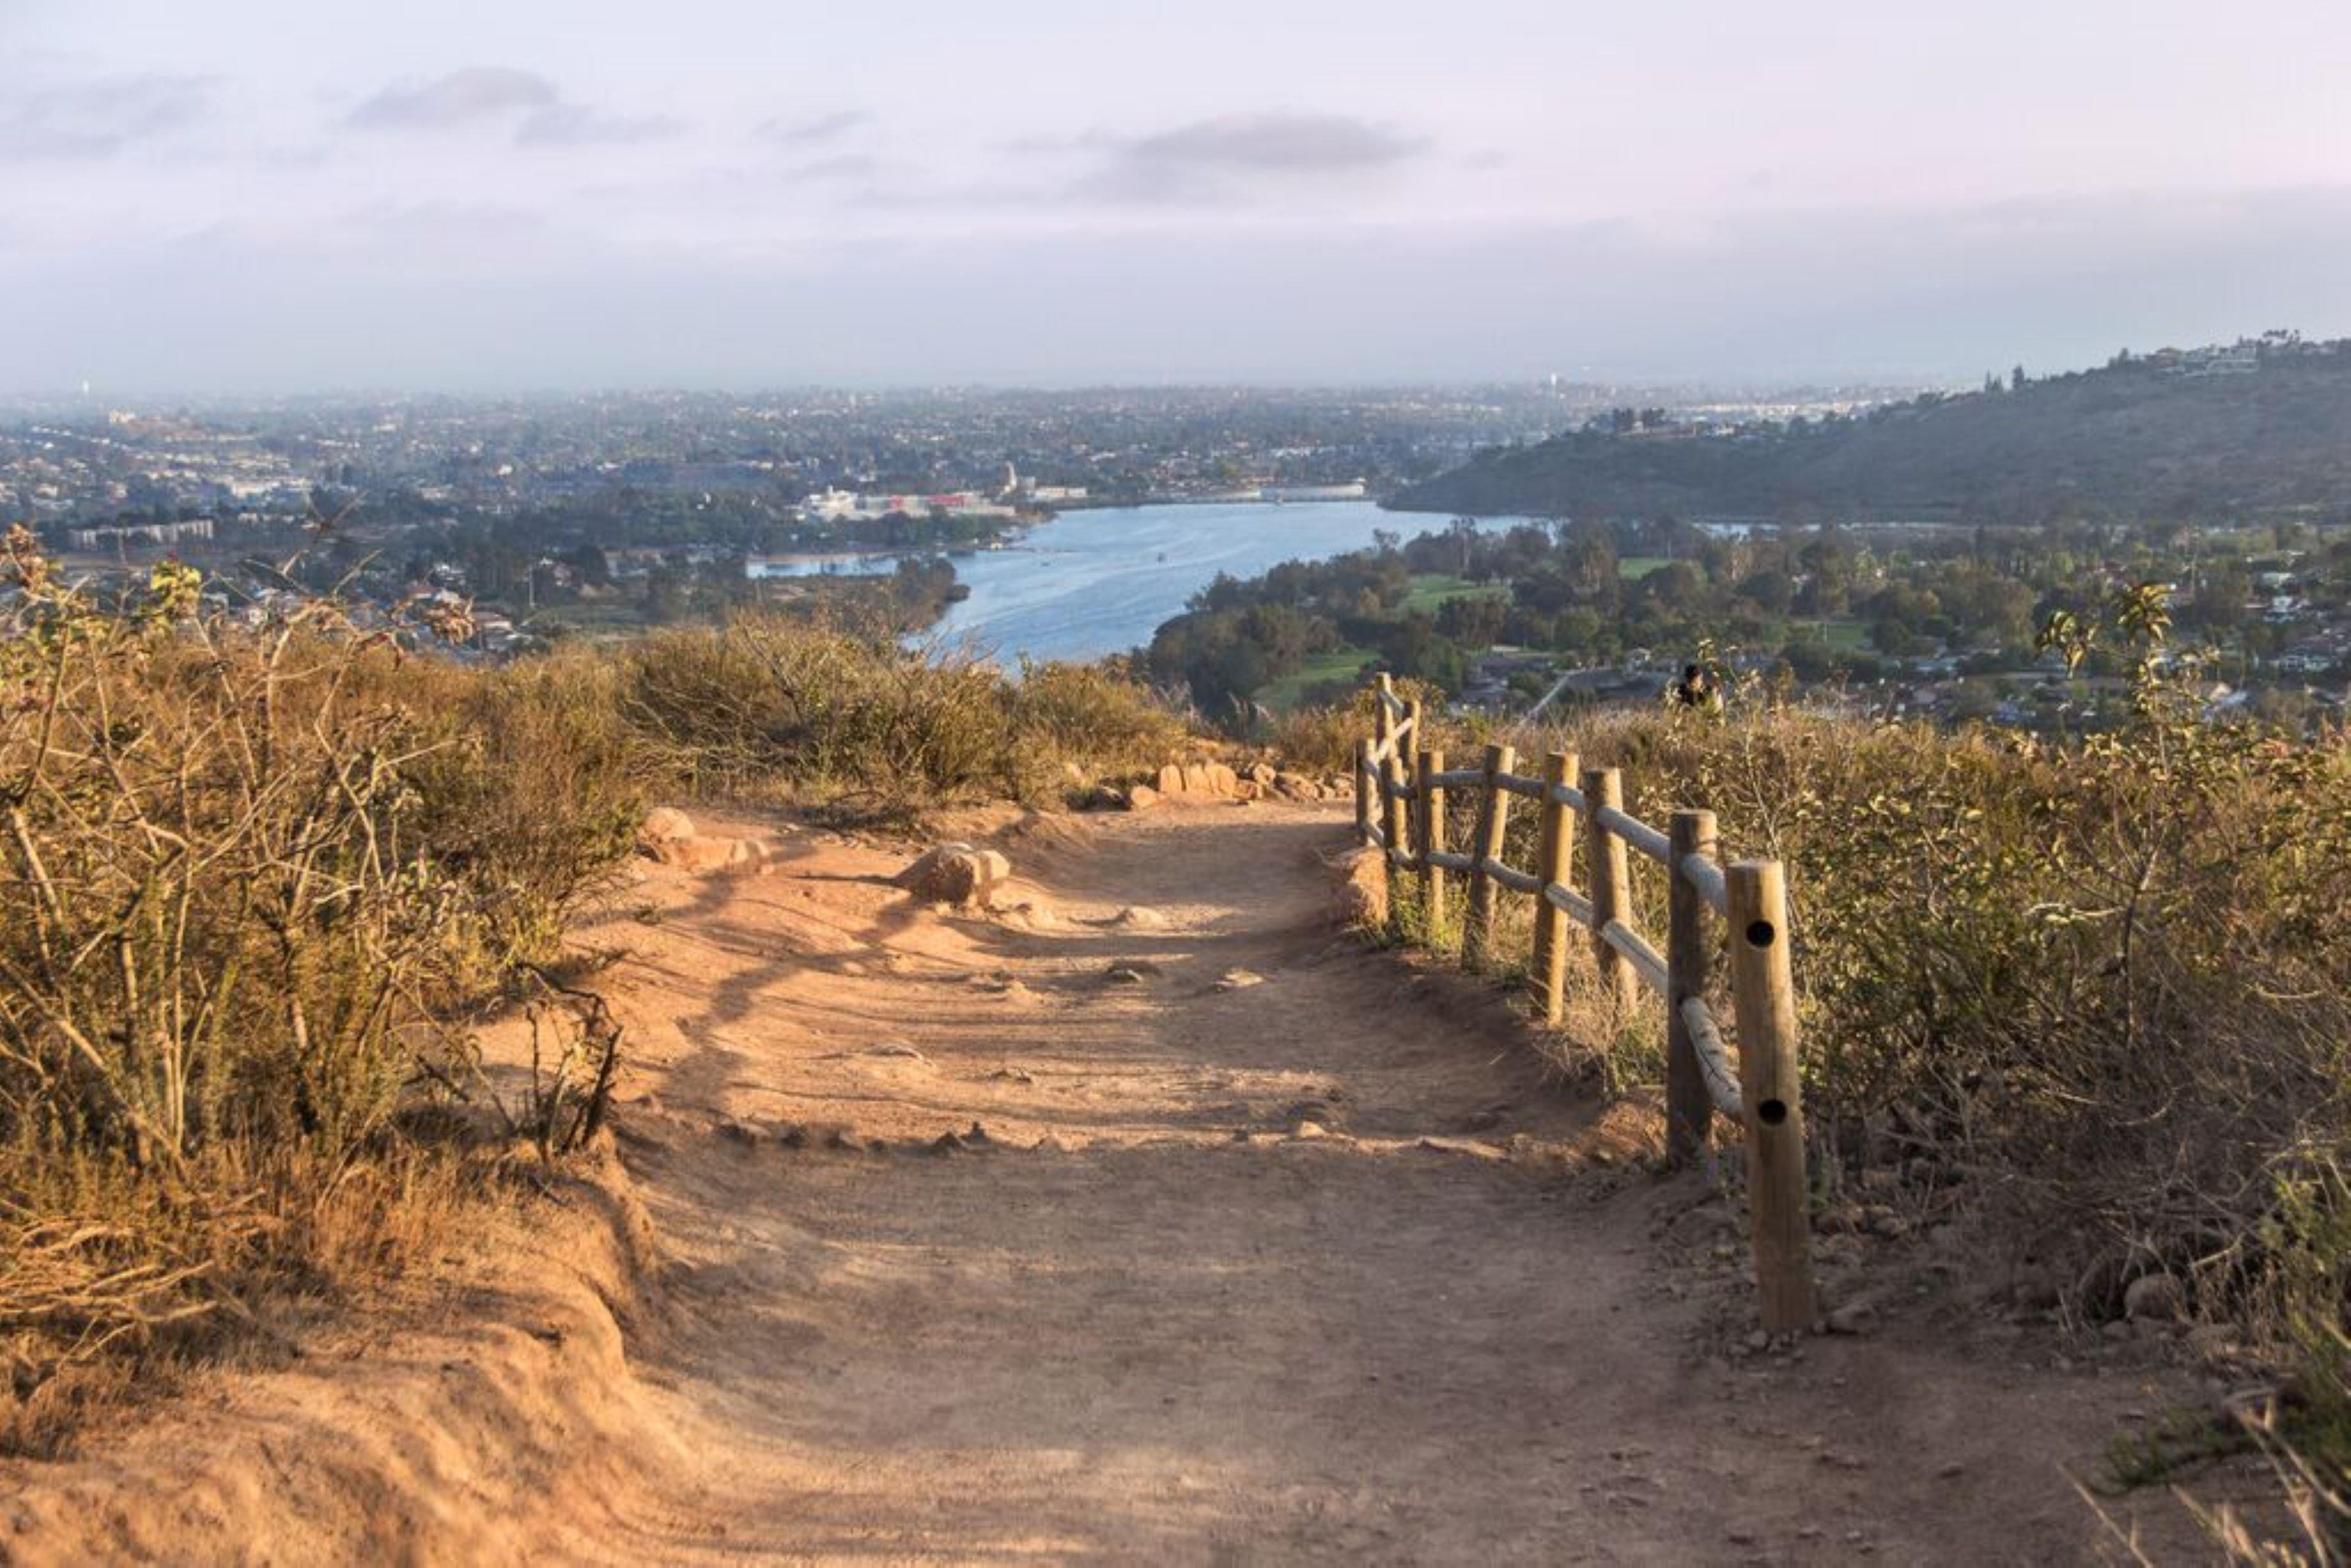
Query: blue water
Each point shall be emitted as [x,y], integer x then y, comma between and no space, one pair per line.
[1095,582]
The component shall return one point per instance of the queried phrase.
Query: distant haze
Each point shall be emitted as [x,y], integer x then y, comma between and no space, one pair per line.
[260,196]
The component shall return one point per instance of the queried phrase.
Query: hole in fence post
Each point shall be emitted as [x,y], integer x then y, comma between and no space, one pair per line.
[1771,1112]
[1760,933]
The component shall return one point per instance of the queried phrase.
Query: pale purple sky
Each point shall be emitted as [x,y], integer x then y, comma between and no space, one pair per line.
[255,195]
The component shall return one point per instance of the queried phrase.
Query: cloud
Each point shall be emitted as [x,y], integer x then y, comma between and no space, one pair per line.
[577,125]
[1232,157]
[809,132]
[98,117]
[1282,142]
[461,98]
[842,166]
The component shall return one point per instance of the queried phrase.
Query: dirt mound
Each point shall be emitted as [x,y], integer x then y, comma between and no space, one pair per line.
[485,1416]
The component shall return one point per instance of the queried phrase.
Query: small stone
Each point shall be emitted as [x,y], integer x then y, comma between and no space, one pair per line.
[1238,979]
[664,825]
[1141,798]
[1853,1318]
[2158,1295]
[1757,1342]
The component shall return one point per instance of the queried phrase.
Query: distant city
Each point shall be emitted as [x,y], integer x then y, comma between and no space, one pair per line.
[554,519]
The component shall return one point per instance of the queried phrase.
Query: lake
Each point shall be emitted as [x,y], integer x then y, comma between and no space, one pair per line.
[1094,582]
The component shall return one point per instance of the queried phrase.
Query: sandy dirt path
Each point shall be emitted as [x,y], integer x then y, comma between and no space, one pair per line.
[1139,1316]
[1160,1222]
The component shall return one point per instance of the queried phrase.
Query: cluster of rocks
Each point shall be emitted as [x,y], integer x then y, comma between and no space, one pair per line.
[668,837]
[1209,781]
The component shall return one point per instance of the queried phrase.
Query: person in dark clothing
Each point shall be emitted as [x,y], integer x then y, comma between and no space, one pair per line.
[1696,689]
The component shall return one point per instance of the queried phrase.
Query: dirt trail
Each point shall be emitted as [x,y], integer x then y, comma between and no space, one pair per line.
[1196,1291]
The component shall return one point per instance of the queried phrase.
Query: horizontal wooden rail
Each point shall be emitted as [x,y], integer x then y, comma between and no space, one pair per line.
[1707,877]
[1516,881]
[1638,834]
[1646,961]
[1401,793]
[1714,1062]
[1578,907]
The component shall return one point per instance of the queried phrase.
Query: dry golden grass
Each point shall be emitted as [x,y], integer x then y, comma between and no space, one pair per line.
[256,878]
[2097,992]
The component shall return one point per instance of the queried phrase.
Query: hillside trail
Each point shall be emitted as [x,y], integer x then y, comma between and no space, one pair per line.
[1264,1247]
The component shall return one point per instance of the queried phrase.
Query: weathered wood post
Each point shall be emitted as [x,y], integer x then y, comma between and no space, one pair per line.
[1554,858]
[1690,1108]
[1611,883]
[1763,988]
[1395,816]
[1428,804]
[1493,822]
[1363,792]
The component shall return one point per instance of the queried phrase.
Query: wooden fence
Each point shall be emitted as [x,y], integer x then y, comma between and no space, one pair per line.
[1402,809]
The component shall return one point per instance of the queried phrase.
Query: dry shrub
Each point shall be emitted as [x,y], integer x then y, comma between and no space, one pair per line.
[250,875]
[1094,715]
[2095,992]
[2107,978]
[867,727]
[840,718]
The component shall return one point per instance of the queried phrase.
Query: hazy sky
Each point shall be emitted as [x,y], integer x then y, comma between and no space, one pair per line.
[490,194]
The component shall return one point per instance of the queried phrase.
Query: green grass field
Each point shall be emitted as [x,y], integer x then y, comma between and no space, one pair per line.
[1339,665]
[1632,568]
[1431,588]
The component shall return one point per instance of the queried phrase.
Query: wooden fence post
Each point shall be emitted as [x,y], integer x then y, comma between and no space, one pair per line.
[1690,1108]
[1612,885]
[1763,988]
[1428,803]
[1554,858]
[1493,824]
[1363,792]
[1395,816]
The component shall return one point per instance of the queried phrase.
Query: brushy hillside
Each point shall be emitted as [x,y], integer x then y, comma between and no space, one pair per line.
[260,883]
[854,724]
[2088,1003]
[2130,441]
